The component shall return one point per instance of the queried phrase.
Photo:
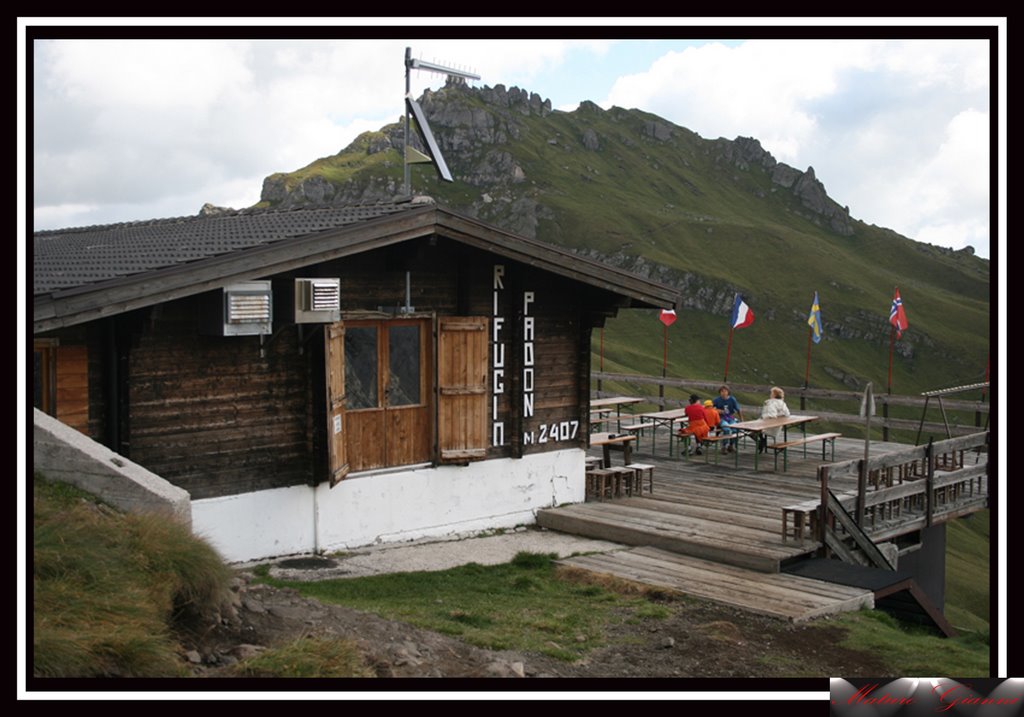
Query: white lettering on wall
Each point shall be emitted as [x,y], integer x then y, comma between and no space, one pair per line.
[527,355]
[498,360]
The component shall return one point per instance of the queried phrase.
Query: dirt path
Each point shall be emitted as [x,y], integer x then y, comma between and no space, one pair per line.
[698,639]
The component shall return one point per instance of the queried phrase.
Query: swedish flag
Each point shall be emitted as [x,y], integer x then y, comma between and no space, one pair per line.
[814,320]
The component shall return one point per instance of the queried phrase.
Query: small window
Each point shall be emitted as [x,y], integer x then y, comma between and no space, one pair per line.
[404,364]
[45,375]
[361,385]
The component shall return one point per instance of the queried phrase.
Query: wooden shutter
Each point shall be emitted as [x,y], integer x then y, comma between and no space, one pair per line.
[462,388]
[73,387]
[334,362]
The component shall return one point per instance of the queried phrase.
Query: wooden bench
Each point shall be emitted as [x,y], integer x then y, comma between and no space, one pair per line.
[711,446]
[800,513]
[825,438]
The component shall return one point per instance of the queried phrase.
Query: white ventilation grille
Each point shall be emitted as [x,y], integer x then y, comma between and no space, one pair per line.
[248,309]
[326,295]
[317,300]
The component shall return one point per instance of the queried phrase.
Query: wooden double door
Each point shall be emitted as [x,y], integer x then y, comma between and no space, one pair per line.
[380,394]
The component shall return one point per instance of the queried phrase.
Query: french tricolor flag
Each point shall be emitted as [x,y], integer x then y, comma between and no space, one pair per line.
[742,315]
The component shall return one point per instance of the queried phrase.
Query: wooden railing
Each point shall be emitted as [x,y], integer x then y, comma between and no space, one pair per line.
[812,399]
[906,490]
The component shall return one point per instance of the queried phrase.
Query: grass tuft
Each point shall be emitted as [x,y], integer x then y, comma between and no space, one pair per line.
[106,586]
[308,657]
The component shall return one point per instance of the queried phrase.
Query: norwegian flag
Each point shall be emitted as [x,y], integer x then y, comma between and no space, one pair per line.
[742,315]
[667,316]
[897,317]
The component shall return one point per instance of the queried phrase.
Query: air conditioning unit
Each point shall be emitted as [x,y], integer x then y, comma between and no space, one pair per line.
[317,301]
[248,309]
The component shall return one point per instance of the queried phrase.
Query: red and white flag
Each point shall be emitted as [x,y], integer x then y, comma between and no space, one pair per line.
[668,316]
[897,317]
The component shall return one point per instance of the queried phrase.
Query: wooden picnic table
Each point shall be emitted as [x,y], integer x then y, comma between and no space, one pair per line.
[604,406]
[663,418]
[760,425]
[610,441]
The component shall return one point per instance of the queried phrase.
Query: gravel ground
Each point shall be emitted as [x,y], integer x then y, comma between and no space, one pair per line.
[433,554]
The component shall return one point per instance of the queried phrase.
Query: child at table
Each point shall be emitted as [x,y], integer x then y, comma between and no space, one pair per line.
[713,419]
[711,416]
[697,425]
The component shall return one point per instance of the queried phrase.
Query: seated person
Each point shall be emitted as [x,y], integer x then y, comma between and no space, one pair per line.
[712,417]
[697,425]
[729,413]
[774,407]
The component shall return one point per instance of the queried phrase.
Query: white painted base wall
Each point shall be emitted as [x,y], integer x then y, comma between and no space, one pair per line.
[440,501]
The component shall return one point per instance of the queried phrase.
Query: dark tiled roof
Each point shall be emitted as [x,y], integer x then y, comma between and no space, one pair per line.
[71,258]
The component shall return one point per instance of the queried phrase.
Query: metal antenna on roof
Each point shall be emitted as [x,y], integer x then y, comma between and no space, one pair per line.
[410,155]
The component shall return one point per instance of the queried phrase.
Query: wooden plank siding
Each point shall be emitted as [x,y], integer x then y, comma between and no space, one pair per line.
[216,418]
[212,416]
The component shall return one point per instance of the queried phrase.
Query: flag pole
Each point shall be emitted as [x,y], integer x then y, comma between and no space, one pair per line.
[664,367]
[885,406]
[807,373]
[601,365]
[892,340]
[728,351]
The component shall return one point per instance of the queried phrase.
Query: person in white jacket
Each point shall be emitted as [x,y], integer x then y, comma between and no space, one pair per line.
[774,407]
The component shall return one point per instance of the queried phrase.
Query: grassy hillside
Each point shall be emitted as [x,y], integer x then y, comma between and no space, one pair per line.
[630,186]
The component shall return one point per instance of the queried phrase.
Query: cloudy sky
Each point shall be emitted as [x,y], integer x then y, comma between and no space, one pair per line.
[897,129]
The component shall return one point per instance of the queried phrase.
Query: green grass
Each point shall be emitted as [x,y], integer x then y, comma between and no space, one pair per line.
[308,657]
[107,586]
[520,605]
[968,561]
[914,651]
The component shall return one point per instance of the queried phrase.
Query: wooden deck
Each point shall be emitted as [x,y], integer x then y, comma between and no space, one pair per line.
[789,597]
[713,512]
[715,530]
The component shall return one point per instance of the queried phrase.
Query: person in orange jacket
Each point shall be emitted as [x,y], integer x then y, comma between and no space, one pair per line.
[711,416]
[697,425]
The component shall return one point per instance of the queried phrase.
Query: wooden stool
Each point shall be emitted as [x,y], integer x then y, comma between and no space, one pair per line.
[621,480]
[639,471]
[593,462]
[598,482]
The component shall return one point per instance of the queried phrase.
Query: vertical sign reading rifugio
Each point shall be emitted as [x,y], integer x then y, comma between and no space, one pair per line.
[497,360]
[522,350]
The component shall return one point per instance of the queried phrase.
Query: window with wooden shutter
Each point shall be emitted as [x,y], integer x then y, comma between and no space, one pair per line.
[462,353]
[334,363]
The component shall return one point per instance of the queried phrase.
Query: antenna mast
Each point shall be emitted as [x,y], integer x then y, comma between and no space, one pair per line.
[421,120]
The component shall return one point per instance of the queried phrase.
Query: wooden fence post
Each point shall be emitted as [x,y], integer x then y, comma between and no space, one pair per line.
[823,508]
[929,481]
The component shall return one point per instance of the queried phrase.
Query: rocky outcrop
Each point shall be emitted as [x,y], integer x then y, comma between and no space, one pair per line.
[210,210]
[657,130]
[745,152]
